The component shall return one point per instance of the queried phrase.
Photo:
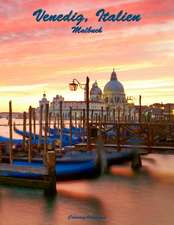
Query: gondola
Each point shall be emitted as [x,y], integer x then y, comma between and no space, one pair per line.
[65,170]
[80,165]
[19,141]
[51,139]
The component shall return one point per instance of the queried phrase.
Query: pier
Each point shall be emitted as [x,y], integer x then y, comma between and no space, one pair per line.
[44,177]
[115,132]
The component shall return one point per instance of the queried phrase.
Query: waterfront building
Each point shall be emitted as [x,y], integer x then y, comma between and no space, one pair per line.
[112,98]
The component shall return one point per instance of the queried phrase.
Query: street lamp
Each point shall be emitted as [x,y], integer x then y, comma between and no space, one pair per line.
[73,87]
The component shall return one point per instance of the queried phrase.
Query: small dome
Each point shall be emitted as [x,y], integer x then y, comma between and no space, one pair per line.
[95,90]
[113,86]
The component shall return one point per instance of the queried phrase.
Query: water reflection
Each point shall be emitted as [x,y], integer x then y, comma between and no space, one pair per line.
[153,169]
[122,196]
[36,208]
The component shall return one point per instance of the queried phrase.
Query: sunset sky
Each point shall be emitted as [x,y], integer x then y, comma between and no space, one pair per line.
[45,56]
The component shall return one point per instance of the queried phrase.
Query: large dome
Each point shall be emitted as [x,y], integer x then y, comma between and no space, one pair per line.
[113,86]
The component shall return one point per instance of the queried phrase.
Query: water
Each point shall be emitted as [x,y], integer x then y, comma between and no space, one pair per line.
[119,197]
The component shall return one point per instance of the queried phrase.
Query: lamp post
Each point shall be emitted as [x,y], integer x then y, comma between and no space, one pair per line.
[73,87]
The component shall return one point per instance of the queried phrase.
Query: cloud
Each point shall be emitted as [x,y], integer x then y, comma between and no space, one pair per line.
[49,55]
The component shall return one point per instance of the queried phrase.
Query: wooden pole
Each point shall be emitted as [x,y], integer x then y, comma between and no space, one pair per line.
[81,118]
[113,116]
[96,118]
[61,125]
[49,121]
[99,120]
[10,133]
[87,112]
[63,121]
[102,114]
[75,115]
[34,122]
[24,131]
[70,124]
[45,133]
[123,112]
[107,114]
[51,163]
[140,109]
[58,121]
[169,111]
[105,126]
[30,134]
[118,137]
[54,121]
[40,125]
[83,124]
[118,114]
[92,114]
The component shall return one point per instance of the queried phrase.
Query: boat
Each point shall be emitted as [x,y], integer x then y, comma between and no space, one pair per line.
[50,139]
[76,131]
[71,166]
[65,170]
[19,141]
[14,140]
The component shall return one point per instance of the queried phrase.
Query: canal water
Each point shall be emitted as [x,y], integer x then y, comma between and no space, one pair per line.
[120,197]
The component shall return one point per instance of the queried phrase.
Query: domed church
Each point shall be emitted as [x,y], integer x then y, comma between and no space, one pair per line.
[112,97]
[113,93]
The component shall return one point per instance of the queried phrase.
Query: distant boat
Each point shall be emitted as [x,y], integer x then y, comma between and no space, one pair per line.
[50,139]
[76,131]
[19,141]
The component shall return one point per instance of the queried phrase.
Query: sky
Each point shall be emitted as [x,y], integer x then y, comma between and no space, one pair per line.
[46,56]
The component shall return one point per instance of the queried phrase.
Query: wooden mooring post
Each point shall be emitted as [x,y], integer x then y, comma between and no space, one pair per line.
[30,134]
[84,116]
[24,132]
[61,124]
[70,124]
[81,118]
[34,122]
[40,125]
[102,114]
[58,121]
[49,121]
[107,114]
[139,117]
[96,118]
[92,115]
[51,163]
[45,133]
[113,119]
[75,119]
[54,125]
[118,137]
[10,132]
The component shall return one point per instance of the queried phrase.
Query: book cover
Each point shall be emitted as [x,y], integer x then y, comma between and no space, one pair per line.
[86,98]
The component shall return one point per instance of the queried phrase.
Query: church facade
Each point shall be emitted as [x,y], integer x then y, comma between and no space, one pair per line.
[111,98]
